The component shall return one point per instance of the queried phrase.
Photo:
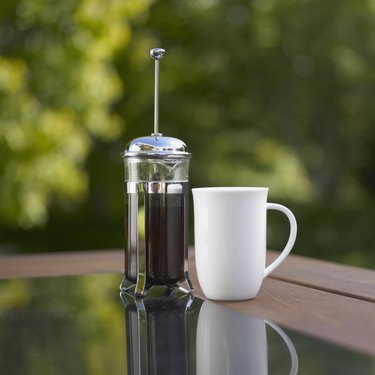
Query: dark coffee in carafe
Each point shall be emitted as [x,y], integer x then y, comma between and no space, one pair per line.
[165,217]
[163,220]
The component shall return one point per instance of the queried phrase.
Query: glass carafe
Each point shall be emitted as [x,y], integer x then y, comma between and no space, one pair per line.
[156,213]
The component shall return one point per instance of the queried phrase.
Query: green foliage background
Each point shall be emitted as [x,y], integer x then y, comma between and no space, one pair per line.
[264,92]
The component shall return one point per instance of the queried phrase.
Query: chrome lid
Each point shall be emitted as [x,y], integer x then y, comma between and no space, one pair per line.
[156,147]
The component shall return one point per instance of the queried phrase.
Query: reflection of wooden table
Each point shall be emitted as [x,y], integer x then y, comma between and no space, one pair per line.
[326,300]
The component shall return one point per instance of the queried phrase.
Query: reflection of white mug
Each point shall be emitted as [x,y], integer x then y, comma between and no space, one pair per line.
[230,240]
[229,342]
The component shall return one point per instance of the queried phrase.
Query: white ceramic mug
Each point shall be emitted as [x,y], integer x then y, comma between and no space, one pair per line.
[230,226]
[230,342]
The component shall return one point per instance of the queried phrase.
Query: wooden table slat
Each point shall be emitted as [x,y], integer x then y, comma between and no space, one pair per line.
[334,318]
[331,277]
[61,264]
[328,276]
[322,299]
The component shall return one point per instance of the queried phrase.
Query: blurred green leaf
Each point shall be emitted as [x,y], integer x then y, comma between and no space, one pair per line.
[57,88]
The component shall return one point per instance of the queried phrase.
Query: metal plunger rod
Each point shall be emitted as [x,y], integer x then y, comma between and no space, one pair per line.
[157,54]
[156,98]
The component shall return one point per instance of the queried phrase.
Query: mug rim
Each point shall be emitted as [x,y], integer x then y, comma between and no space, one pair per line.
[230,189]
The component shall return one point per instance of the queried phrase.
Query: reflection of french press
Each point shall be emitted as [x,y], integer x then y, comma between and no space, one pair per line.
[156,208]
[160,334]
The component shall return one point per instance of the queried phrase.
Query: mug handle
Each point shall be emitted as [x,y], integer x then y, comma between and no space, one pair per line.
[291,240]
[289,344]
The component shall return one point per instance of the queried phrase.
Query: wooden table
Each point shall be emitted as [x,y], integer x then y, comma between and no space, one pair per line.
[321,299]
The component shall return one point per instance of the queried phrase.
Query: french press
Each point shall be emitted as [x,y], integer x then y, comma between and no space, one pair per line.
[156,208]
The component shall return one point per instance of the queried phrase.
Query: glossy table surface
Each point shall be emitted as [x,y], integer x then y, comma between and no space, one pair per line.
[62,314]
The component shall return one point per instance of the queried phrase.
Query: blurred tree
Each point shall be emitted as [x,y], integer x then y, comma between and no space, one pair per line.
[57,89]
[264,92]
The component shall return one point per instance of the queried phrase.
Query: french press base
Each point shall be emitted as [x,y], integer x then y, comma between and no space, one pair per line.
[154,291]
[129,289]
